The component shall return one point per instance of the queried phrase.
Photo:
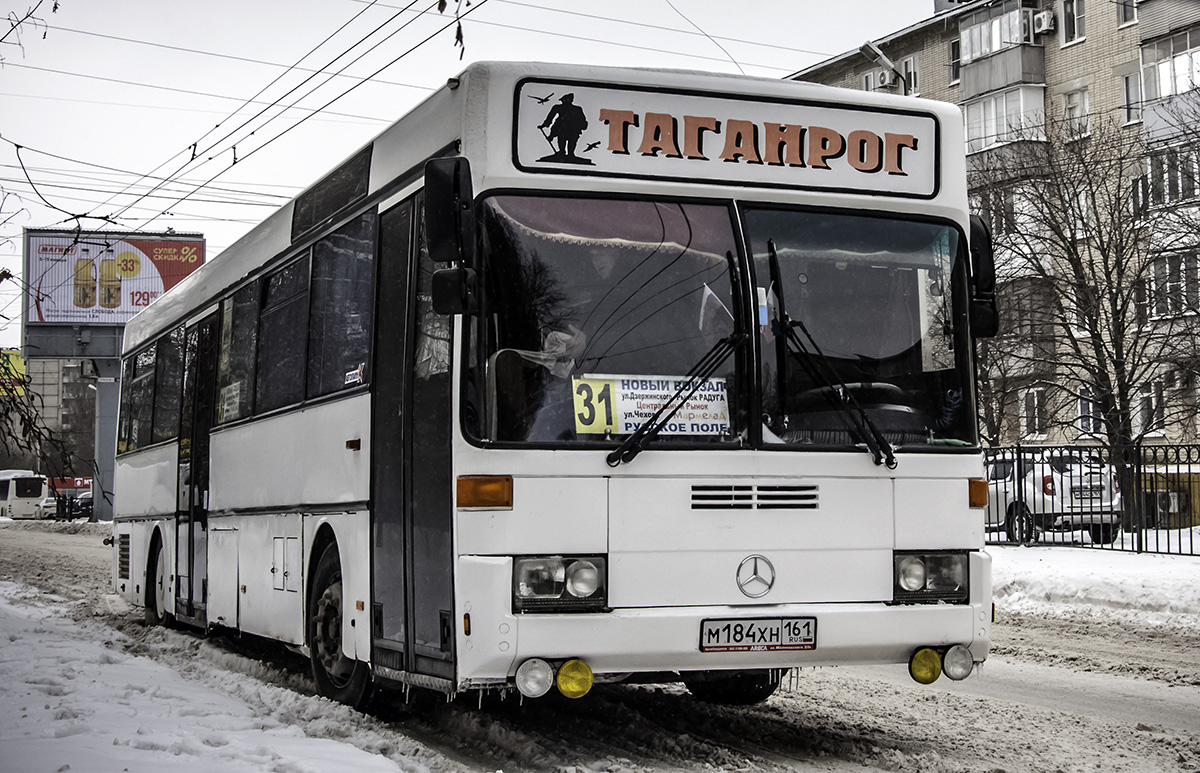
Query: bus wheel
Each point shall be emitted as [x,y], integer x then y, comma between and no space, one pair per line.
[338,677]
[157,598]
[739,688]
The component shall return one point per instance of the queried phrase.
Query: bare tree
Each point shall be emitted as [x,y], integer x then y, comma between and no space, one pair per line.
[1100,330]
[20,23]
[26,442]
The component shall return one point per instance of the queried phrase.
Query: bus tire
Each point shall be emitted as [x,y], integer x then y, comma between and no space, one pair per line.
[337,676]
[157,598]
[739,688]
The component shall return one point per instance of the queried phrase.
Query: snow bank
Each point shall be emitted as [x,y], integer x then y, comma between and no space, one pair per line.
[71,702]
[1156,591]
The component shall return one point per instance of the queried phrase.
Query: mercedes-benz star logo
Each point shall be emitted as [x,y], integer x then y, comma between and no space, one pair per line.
[755,576]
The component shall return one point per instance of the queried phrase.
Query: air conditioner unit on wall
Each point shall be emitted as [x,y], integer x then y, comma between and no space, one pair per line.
[1043,22]
[886,78]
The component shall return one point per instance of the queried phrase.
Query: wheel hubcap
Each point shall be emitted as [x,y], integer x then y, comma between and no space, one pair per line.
[160,582]
[327,639]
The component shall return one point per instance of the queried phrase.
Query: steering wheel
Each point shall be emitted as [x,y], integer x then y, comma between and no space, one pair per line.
[879,391]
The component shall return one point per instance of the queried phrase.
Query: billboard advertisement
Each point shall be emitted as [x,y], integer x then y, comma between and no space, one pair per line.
[12,373]
[103,278]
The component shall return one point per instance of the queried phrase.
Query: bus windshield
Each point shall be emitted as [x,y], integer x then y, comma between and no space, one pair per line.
[860,315]
[596,311]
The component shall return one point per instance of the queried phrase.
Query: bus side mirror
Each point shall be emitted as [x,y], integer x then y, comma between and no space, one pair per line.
[449,211]
[985,319]
[454,291]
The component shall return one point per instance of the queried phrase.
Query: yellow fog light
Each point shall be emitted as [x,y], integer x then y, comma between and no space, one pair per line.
[575,678]
[925,666]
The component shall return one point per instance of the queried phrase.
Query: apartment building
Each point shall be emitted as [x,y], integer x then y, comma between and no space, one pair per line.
[60,392]
[1042,82]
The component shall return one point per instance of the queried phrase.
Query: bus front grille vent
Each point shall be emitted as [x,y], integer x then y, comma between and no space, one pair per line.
[755,497]
[123,556]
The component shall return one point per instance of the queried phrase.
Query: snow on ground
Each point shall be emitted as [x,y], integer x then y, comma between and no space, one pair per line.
[72,702]
[77,694]
[1151,590]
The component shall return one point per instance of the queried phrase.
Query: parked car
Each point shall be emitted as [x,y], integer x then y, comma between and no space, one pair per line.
[82,506]
[1055,490]
[47,508]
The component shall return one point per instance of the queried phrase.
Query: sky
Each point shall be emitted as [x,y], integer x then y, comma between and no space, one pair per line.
[73,696]
[98,95]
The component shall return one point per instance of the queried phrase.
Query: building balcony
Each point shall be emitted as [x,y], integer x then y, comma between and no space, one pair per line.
[1009,67]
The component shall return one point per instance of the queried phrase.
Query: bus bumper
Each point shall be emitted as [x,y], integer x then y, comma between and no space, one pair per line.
[655,639]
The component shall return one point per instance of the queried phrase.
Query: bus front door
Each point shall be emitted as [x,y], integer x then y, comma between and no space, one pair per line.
[191,517]
[412,547]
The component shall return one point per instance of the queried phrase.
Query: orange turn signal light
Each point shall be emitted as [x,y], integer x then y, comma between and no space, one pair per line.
[978,494]
[485,491]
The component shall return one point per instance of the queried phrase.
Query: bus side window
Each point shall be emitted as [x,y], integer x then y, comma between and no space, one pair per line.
[168,387]
[141,399]
[124,429]
[339,332]
[282,337]
[238,352]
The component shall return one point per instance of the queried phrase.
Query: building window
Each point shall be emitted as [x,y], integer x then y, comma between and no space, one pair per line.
[1033,418]
[1081,217]
[870,81]
[1131,98]
[912,80]
[1126,11]
[1174,176]
[1002,117]
[1171,66]
[1001,26]
[955,60]
[1174,286]
[1026,309]
[1086,307]
[1073,28]
[1075,113]
[1089,413]
[1149,416]
[998,208]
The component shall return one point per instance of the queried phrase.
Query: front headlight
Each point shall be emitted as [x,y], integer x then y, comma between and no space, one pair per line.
[931,578]
[559,584]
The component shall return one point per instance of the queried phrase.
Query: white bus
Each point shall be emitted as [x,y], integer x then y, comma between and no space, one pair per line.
[581,375]
[20,493]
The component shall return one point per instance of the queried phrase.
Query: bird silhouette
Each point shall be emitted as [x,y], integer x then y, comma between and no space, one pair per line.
[591,146]
[542,100]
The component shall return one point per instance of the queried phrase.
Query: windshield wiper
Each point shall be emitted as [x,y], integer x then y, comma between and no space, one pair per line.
[837,393]
[695,378]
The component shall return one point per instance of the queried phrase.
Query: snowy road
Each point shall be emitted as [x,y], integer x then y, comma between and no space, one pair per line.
[1096,667]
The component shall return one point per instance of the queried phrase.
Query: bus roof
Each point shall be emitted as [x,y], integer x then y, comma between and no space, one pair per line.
[659,131]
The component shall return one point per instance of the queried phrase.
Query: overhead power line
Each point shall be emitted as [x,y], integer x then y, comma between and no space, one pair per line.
[196,152]
[230,57]
[167,108]
[174,89]
[428,38]
[619,44]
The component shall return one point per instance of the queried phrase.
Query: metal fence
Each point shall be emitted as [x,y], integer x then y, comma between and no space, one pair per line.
[1143,498]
